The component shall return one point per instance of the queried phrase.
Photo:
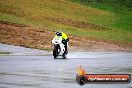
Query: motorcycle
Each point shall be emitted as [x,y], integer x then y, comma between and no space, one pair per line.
[59,49]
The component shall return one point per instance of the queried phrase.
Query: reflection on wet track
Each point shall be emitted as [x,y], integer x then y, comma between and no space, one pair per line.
[46,72]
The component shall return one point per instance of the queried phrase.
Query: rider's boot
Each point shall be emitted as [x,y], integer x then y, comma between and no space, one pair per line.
[66,51]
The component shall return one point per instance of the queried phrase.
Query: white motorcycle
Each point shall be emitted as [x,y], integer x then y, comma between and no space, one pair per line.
[59,49]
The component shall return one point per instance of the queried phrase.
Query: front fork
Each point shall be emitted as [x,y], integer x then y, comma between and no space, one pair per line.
[58,49]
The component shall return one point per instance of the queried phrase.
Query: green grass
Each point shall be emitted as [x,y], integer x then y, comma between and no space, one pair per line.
[4,53]
[41,14]
[122,12]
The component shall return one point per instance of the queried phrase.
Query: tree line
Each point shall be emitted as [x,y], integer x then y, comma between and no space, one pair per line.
[127,3]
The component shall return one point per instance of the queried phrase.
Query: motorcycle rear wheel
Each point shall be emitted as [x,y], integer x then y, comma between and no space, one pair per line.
[64,56]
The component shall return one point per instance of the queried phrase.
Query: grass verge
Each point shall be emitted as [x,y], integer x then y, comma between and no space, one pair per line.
[4,53]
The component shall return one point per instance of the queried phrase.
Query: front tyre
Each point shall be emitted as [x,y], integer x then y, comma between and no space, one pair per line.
[55,52]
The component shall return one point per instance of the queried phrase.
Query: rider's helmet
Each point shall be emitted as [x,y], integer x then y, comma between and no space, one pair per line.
[59,33]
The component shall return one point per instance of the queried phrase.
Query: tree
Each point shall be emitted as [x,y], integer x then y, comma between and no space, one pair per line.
[81,1]
[91,1]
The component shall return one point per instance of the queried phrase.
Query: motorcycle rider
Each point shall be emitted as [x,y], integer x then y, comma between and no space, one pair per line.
[65,39]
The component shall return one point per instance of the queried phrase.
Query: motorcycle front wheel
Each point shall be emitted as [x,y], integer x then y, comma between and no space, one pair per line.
[55,51]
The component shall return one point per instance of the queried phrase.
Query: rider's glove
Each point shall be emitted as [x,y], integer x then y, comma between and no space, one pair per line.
[67,39]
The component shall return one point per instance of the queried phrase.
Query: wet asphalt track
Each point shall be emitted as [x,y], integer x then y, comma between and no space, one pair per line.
[29,71]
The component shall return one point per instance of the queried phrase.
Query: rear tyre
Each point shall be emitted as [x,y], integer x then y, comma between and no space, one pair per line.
[64,56]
